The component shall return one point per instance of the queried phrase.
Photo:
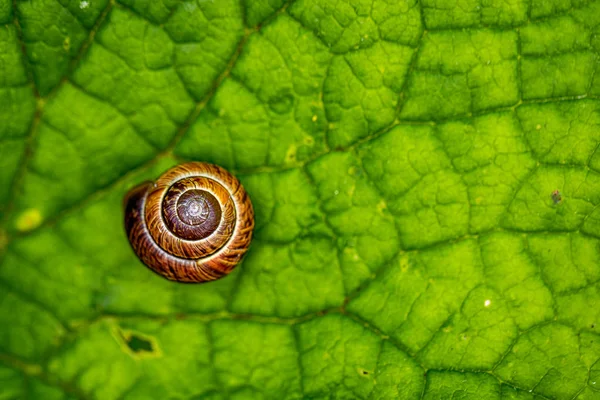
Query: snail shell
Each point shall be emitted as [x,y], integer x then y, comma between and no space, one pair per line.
[194,224]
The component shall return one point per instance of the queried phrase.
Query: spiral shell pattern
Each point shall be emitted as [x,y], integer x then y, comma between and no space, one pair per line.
[194,224]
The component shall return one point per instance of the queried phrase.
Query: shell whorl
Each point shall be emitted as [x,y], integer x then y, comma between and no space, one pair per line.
[194,224]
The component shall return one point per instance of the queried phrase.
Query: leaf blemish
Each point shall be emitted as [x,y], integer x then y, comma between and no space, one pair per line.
[138,344]
[556,197]
[29,219]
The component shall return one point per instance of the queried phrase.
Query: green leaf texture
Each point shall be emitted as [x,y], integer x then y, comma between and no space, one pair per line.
[401,157]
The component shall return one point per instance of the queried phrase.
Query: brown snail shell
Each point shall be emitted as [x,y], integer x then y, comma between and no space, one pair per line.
[194,224]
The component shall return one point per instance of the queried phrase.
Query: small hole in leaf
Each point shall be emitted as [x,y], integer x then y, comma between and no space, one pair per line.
[593,326]
[138,344]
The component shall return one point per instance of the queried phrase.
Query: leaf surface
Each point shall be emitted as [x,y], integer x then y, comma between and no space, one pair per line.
[425,177]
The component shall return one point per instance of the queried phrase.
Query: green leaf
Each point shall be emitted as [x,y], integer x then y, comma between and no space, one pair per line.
[425,177]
